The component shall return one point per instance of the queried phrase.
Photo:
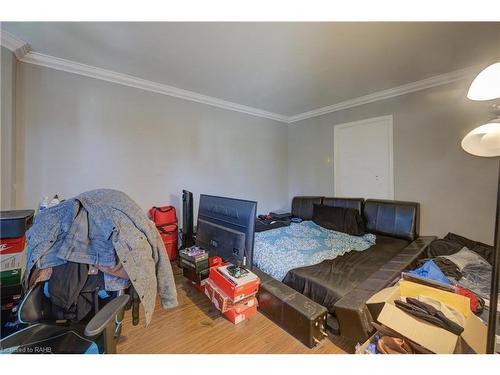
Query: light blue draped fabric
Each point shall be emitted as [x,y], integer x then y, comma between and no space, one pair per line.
[302,244]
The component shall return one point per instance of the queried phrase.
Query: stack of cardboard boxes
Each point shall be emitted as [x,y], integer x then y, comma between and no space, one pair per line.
[234,296]
[12,262]
[195,265]
[231,289]
[13,226]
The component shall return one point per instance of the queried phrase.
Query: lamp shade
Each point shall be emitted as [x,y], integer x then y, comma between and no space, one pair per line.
[483,140]
[486,86]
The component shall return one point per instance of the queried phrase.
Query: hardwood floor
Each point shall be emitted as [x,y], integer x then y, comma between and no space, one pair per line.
[195,326]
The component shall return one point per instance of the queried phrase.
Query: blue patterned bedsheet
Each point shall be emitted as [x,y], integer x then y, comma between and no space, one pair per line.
[279,250]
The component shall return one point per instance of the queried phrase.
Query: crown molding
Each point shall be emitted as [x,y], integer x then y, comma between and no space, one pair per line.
[19,47]
[23,53]
[128,80]
[423,84]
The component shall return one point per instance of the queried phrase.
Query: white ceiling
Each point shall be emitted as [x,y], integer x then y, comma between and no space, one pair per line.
[284,68]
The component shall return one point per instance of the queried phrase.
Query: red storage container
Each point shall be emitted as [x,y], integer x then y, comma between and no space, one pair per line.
[165,219]
[168,234]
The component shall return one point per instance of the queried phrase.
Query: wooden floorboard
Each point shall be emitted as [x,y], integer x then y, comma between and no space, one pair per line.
[195,326]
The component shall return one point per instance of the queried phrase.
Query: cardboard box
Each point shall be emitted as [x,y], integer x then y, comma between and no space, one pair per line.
[431,337]
[221,300]
[361,349]
[209,288]
[223,303]
[385,331]
[196,277]
[199,286]
[193,254]
[214,261]
[12,245]
[236,289]
[11,260]
[10,277]
[243,311]
[196,267]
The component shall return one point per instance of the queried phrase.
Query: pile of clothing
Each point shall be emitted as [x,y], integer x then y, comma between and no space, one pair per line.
[430,310]
[462,263]
[389,345]
[434,312]
[98,239]
[388,341]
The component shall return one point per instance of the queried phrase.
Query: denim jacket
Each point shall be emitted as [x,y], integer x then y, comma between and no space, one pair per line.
[98,227]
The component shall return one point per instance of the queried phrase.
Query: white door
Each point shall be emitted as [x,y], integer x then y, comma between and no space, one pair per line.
[363,164]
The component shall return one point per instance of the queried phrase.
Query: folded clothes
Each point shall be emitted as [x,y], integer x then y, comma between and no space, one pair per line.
[429,314]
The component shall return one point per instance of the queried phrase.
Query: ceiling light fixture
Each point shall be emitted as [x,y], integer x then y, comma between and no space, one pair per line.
[486,86]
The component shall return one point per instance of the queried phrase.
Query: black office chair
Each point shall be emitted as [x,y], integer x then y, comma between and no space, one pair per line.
[45,334]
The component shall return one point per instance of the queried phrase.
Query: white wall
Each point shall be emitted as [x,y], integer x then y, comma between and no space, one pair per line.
[457,191]
[78,133]
[8,142]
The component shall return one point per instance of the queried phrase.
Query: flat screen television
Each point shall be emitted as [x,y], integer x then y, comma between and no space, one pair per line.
[226,227]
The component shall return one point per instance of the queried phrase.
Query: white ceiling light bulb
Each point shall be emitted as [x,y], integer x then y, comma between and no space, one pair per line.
[484,140]
[486,86]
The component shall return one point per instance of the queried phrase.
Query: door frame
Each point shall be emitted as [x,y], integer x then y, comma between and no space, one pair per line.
[388,119]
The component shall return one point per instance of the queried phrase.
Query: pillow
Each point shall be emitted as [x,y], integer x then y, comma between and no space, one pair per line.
[340,219]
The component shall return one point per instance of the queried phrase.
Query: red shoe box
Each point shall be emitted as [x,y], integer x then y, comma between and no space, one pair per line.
[12,245]
[201,286]
[214,261]
[242,311]
[209,288]
[235,289]
[11,263]
[221,300]
[223,303]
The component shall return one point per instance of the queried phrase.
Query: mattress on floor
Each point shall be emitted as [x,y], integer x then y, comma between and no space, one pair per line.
[330,280]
